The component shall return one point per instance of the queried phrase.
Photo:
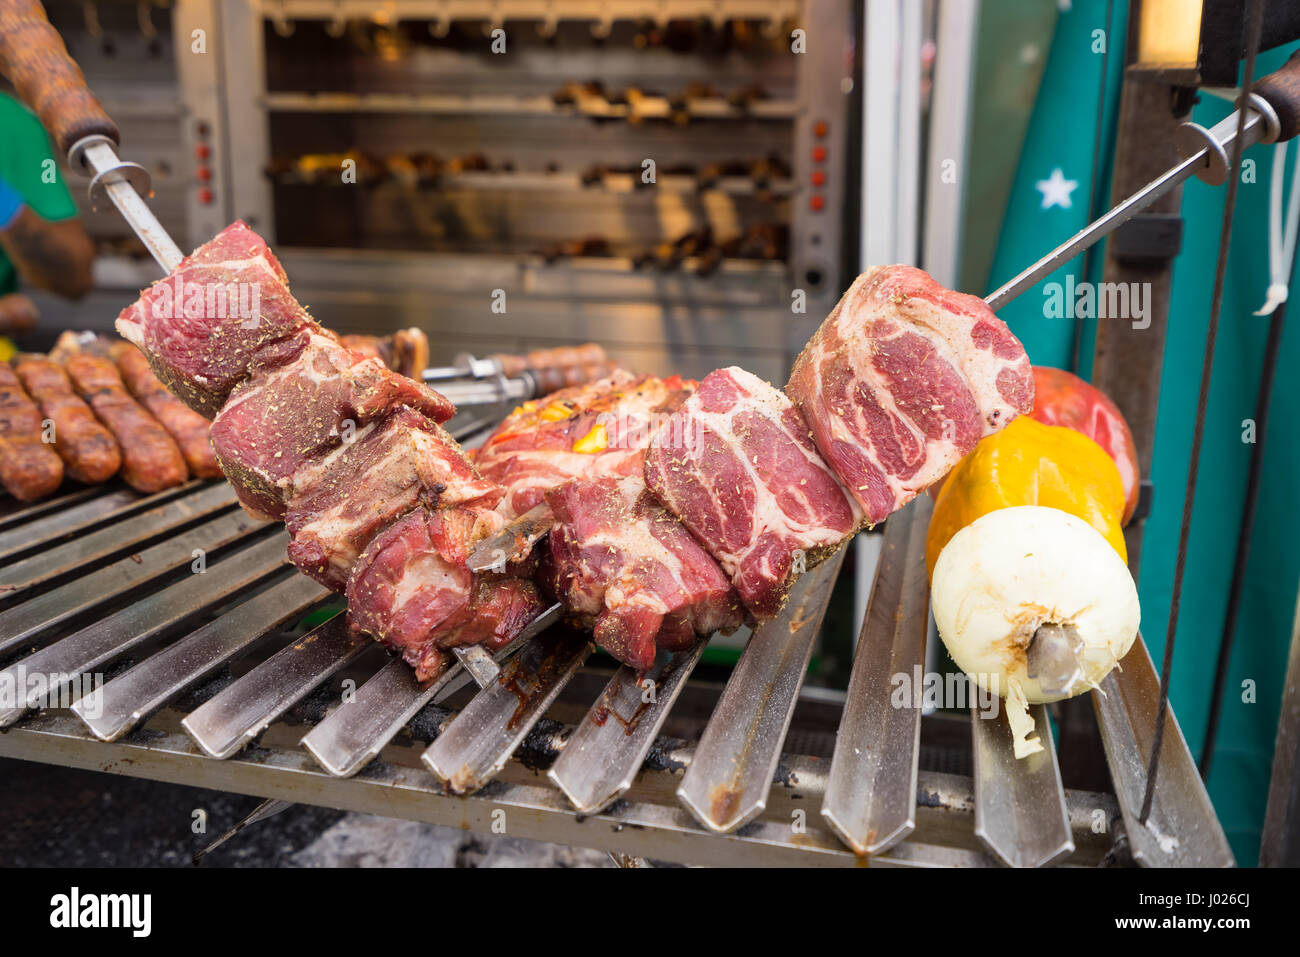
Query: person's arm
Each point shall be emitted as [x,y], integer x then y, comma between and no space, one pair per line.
[54,256]
[18,315]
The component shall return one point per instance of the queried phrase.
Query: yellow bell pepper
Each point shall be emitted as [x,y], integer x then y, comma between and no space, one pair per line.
[593,442]
[556,412]
[1028,463]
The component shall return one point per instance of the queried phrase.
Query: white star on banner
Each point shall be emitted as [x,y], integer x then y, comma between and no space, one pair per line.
[1056,190]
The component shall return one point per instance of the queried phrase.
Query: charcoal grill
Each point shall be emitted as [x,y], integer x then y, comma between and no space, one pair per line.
[181,602]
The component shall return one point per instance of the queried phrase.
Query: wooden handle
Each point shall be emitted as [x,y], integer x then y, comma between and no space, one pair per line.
[563,357]
[554,378]
[33,57]
[1282,92]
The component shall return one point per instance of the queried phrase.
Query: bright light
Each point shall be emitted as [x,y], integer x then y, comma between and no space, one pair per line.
[1170,34]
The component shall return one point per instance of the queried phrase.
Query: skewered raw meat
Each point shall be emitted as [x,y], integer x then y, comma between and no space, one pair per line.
[602,428]
[337,444]
[222,314]
[351,493]
[90,453]
[29,468]
[630,569]
[391,511]
[737,466]
[151,461]
[410,589]
[283,419]
[187,428]
[415,585]
[901,381]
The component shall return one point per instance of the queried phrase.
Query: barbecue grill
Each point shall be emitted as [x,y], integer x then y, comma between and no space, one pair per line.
[180,603]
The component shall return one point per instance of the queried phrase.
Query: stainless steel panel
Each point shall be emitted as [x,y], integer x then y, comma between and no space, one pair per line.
[480,740]
[646,824]
[22,575]
[357,730]
[82,512]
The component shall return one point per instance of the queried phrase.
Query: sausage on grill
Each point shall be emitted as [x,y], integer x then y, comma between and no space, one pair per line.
[183,424]
[89,451]
[151,461]
[29,468]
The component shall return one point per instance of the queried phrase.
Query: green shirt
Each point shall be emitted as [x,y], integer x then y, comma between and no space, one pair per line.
[27,164]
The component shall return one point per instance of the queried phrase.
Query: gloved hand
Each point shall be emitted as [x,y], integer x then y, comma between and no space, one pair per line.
[11,204]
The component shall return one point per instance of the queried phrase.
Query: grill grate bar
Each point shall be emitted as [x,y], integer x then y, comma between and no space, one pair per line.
[114,503]
[480,740]
[239,713]
[354,733]
[79,653]
[1020,813]
[131,697]
[1182,830]
[647,823]
[37,614]
[18,512]
[727,784]
[871,789]
[116,538]
[352,736]
[604,756]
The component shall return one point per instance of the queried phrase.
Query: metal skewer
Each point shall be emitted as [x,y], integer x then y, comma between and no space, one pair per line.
[1205,156]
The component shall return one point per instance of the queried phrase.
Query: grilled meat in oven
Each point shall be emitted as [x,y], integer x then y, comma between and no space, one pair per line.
[656,541]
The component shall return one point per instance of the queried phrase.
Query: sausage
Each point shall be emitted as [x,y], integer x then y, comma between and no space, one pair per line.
[186,427]
[151,461]
[89,451]
[29,468]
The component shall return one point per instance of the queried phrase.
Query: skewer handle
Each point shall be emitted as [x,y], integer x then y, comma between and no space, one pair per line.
[563,357]
[33,57]
[1281,90]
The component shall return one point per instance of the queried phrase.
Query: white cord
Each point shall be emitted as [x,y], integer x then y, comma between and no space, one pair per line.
[1281,250]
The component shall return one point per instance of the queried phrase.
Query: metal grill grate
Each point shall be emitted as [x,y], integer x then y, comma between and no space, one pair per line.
[173,589]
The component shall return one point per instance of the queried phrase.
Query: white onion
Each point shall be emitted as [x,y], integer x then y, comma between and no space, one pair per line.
[1014,569]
